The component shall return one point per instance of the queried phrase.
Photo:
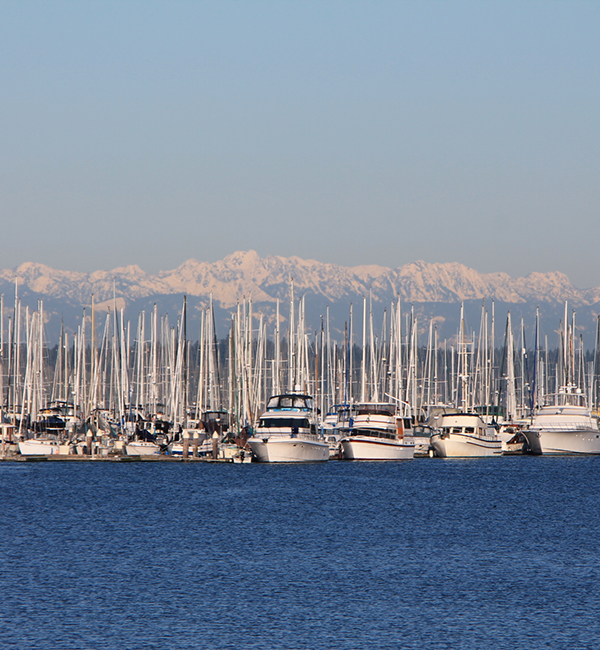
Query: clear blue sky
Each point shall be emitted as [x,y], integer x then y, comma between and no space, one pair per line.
[352,132]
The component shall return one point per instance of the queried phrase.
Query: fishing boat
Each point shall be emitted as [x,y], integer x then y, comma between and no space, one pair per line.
[377,433]
[460,435]
[287,432]
[565,427]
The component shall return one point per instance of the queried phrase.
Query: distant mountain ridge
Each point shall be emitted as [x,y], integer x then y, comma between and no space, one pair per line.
[266,279]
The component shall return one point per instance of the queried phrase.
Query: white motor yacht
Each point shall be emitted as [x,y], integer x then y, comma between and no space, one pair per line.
[377,433]
[565,427]
[287,432]
[460,435]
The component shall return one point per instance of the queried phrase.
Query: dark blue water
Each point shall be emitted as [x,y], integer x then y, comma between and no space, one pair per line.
[498,553]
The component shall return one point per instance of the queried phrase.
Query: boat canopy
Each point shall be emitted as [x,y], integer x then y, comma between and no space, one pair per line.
[290,401]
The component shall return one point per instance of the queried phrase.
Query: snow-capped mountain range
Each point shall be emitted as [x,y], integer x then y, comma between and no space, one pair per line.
[434,290]
[266,279]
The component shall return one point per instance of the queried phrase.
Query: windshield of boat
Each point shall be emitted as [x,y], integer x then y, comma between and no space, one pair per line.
[281,423]
[289,402]
[375,410]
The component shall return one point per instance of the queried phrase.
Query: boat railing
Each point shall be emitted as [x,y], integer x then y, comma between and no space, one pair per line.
[566,396]
[564,426]
[281,435]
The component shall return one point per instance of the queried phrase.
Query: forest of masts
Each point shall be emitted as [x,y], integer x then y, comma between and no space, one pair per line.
[115,365]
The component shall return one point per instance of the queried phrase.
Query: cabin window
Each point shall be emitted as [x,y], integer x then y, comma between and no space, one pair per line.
[456,429]
[374,433]
[469,429]
[282,423]
[374,411]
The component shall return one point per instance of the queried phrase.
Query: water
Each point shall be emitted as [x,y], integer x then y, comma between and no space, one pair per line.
[485,553]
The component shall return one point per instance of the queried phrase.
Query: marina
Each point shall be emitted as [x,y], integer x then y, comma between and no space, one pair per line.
[265,394]
[300,325]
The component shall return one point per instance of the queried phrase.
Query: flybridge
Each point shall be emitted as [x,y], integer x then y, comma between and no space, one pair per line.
[290,402]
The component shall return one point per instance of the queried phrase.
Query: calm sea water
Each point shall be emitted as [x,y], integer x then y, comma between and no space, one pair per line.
[498,553]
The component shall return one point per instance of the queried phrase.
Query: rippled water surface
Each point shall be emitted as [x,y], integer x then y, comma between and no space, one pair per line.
[490,553]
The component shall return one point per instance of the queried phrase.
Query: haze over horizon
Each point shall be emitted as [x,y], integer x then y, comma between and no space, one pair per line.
[346,132]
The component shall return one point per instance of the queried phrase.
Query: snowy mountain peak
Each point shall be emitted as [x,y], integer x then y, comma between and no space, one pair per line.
[245,273]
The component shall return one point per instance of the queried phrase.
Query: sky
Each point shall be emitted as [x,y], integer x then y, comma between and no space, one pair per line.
[349,132]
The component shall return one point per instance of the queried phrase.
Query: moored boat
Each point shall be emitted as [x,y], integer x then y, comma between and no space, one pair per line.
[461,435]
[142,448]
[287,432]
[565,427]
[377,433]
[41,447]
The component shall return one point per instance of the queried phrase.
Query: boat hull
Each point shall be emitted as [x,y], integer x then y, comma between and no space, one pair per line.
[288,450]
[142,449]
[364,448]
[563,442]
[464,446]
[39,447]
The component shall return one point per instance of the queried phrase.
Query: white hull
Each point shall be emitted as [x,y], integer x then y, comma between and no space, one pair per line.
[365,448]
[464,446]
[176,449]
[422,444]
[563,442]
[332,438]
[39,447]
[289,450]
[564,429]
[142,449]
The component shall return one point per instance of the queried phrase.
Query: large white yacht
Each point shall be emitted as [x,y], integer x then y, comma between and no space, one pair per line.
[460,435]
[377,433]
[565,427]
[287,432]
